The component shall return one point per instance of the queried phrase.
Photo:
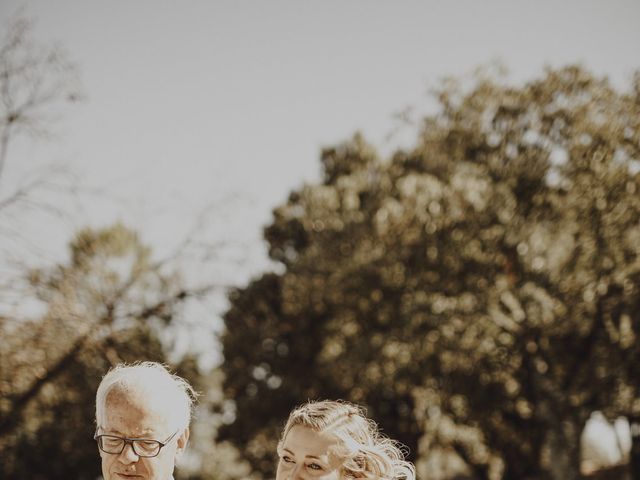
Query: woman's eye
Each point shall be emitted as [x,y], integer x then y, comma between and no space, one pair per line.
[287,459]
[315,466]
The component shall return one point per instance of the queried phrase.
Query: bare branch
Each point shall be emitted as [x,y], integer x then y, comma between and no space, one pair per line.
[33,78]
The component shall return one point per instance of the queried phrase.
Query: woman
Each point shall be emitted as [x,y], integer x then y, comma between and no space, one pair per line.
[331,440]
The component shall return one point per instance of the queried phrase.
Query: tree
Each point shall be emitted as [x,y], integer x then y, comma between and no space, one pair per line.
[109,302]
[106,306]
[479,292]
[38,82]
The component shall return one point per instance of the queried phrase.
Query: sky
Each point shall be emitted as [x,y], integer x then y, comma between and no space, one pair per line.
[217,110]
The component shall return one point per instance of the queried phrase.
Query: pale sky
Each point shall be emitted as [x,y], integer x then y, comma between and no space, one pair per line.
[199,102]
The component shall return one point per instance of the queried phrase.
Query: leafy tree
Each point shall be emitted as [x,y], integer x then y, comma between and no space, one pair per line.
[110,304]
[478,292]
[207,458]
[106,306]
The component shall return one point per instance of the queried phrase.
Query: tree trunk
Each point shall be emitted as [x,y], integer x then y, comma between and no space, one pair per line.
[520,464]
[562,450]
[634,456]
[516,473]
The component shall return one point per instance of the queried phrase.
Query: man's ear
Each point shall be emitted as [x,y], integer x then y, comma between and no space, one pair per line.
[183,439]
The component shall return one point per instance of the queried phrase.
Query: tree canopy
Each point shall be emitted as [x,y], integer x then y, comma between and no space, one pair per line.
[99,311]
[479,292]
[109,304]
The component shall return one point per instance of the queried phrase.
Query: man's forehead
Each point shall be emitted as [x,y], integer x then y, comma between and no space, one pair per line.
[131,409]
[137,397]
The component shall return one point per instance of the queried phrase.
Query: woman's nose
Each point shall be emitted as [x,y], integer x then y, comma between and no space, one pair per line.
[298,472]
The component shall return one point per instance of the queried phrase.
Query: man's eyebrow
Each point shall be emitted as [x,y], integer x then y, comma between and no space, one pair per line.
[145,433]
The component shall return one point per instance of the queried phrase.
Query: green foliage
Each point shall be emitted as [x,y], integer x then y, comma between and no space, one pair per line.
[54,438]
[206,458]
[52,365]
[479,292]
[108,305]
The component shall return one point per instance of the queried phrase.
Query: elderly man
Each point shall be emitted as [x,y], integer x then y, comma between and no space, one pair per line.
[142,417]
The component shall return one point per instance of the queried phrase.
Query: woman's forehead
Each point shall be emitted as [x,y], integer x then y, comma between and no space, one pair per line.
[304,441]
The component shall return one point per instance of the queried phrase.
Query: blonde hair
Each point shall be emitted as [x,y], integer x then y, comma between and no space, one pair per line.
[155,380]
[366,452]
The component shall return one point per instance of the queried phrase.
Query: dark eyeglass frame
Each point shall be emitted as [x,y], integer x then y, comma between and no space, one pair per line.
[131,441]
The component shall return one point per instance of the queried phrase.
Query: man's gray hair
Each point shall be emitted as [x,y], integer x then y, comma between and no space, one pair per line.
[155,380]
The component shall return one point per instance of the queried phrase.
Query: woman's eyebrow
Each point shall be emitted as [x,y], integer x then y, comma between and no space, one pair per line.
[313,456]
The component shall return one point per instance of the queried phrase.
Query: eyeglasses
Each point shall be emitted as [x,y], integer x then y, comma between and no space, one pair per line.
[142,447]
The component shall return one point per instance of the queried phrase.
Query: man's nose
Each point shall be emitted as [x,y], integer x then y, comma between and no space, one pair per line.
[128,455]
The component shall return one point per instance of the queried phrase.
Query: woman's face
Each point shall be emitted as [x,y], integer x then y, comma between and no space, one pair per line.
[307,454]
